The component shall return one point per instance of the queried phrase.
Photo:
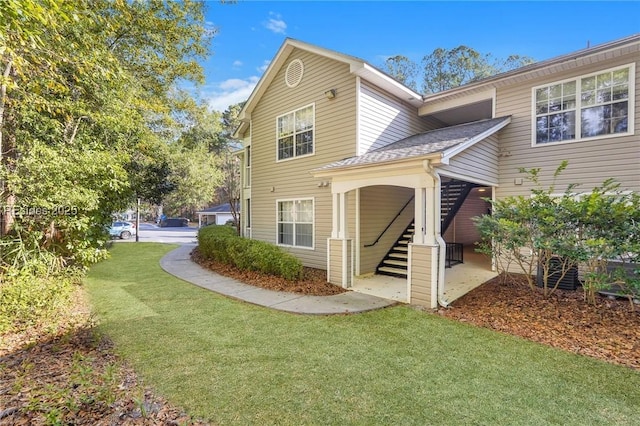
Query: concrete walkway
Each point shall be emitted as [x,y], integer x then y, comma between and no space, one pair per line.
[178,263]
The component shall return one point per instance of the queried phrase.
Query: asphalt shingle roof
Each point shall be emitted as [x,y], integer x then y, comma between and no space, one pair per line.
[430,142]
[222,208]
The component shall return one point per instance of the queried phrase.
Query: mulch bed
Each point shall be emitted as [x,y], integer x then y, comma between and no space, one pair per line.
[314,281]
[609,331]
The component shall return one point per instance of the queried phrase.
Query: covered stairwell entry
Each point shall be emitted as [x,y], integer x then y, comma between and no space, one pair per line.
[453,194]
[365,188]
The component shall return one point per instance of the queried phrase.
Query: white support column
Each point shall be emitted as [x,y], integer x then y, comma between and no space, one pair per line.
[356,257]
[430,215]
[335,216]
[420,216]
[343,231]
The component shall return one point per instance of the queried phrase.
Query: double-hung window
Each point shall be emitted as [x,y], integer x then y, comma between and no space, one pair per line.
[247,167]
[595,105]
[295,223]
[295,133]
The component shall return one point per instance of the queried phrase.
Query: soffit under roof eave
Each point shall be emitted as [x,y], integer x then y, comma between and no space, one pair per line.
[387,83]
[244,123]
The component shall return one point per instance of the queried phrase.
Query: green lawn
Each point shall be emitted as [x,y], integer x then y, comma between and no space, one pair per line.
[235,363]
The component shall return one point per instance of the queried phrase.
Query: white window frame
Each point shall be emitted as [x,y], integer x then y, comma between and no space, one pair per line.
[313,223]
[578,108]
[247,222]
[247,166]
[313,130]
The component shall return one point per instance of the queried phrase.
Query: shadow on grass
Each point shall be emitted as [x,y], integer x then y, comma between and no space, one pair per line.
[237,363]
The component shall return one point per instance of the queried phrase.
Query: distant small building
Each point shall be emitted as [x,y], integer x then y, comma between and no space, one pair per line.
[129,215]
[216,215]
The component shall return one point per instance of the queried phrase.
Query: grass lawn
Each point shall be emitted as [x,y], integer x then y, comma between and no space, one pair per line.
[235,363]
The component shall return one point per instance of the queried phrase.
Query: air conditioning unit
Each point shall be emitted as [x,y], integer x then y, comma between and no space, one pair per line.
[568,282]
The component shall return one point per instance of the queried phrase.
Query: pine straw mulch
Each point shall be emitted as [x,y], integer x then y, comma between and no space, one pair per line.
[609,331]
[313,282]
[65,373]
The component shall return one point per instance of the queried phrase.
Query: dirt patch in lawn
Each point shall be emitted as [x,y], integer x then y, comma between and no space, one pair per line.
[609,331]
[313,282]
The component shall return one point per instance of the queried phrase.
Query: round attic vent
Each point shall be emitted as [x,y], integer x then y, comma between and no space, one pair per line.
[293,76]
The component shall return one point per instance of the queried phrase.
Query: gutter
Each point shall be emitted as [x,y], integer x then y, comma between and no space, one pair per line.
[442,246]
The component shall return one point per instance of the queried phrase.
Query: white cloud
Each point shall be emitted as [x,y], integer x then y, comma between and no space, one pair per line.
[276,24]
[237,64]
[229,92]
[233,84]
[264,66]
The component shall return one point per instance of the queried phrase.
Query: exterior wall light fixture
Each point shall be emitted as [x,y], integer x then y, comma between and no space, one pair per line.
[331,93]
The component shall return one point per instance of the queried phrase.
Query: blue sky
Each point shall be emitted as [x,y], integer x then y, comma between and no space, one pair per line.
[249,33]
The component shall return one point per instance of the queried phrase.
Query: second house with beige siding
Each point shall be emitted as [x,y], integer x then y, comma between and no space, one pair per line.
[356,174]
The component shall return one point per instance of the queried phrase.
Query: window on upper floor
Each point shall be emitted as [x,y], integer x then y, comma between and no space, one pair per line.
[247,166]
[295,223]
[590,106]
[295,133]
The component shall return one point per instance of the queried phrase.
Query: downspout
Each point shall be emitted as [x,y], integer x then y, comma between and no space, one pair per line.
[439,240]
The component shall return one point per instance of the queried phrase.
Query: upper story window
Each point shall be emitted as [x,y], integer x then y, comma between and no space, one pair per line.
[295,133]
[595,105]
[247,166]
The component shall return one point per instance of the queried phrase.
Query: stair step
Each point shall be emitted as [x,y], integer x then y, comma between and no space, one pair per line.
[400,248]
[399,255]
[393,263]
[392,271]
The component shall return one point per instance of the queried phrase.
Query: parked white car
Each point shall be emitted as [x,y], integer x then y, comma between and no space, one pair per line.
[122,230]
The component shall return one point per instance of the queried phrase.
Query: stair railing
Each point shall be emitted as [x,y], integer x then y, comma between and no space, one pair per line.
[390,223]
[453,208]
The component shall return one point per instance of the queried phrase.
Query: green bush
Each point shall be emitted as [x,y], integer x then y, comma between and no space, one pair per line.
[221,243]
[26,298]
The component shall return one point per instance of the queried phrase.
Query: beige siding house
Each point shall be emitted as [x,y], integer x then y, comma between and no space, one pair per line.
[354,173]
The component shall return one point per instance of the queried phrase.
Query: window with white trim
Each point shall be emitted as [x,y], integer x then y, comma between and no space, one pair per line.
[295,223]
[295,133]
[247,213]
[247,166]
[590,106]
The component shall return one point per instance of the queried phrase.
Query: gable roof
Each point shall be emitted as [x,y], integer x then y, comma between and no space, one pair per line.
[443,143]
[357,66]
[368,72]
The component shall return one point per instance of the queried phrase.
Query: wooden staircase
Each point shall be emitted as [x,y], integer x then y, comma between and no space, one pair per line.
[452,197]
[395,261]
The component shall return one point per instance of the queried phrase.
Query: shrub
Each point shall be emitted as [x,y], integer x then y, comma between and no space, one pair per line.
[212,242]
[221,243]
[27,299]
[586,229]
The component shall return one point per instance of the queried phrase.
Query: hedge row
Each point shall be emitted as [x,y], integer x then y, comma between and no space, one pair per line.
[220,243]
